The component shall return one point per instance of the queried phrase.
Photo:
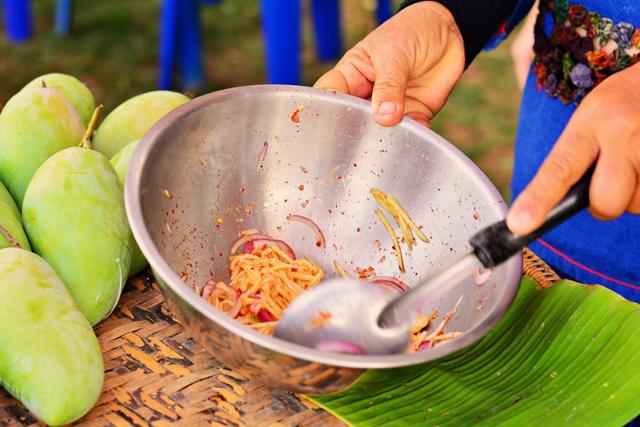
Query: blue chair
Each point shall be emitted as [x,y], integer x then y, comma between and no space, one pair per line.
[180,47]
[281,21]
[17,20]
[180,44]
[64,13]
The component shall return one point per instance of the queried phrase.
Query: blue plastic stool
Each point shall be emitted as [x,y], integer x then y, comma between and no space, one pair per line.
[64,14]
[190,45]
[169,17]
[17,20]
[384,10]
[180,48]
[281,25]
[327,28]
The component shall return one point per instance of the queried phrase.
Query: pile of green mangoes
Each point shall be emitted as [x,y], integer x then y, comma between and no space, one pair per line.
[66,249]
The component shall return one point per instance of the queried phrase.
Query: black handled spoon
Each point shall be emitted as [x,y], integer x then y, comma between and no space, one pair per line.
[353,316]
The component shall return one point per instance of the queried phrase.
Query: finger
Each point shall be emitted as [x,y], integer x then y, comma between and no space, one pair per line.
[634,205]
[572,155]
[389,90]
[613,184]
[353,74]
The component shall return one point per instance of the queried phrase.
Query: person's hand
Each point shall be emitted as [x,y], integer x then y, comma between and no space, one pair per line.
[606,128]
[408,65]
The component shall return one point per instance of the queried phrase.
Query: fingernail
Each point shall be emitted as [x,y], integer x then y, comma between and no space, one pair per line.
[519,219]
[387,107]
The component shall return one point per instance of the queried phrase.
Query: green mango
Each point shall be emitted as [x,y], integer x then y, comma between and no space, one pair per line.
[73,89]
[50,359]
[133,118]
[74,215]
[120,163]
[11,220]
[34,125]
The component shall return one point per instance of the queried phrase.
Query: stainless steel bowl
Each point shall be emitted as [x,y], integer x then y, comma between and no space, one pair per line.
[200,163]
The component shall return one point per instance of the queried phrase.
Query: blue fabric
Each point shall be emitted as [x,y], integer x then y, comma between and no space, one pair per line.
[584,249]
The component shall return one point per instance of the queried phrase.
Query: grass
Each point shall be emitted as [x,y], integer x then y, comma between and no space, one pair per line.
[113,48]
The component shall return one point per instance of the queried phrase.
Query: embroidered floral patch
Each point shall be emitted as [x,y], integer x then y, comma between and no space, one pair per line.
[582,50]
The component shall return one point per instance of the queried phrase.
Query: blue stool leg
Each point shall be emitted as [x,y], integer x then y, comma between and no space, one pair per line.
[191,73]
[281,25]
[169,14]
[17,16]
[64,13]
[326,23]
[384,12]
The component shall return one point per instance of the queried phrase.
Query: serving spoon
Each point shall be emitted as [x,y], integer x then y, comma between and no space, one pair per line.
[351,316]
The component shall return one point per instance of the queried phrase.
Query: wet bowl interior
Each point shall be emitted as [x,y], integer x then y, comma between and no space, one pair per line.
[196,181]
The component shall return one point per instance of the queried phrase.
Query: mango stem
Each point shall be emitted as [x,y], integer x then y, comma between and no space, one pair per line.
[10,238]
[86,139]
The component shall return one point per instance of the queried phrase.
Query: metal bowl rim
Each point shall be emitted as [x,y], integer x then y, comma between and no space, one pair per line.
[186,293]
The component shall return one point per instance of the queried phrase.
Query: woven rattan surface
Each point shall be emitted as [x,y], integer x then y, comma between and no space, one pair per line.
[156,375]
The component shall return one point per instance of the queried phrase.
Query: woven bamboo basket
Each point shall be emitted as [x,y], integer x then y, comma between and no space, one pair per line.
[156,375]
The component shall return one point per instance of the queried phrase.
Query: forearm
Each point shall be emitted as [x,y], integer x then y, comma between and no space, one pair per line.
[477,20]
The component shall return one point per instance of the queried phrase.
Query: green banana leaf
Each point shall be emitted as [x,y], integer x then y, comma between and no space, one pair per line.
[566,355]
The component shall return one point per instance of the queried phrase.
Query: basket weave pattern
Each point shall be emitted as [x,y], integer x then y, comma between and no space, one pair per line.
[156,375]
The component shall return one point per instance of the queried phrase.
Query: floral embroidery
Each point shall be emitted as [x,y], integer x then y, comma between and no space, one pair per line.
[581,76]
[635,39]
[577,55]
[603,32]
[622,33]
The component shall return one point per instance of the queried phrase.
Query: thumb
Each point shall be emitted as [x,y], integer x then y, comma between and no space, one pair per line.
[567,162]
[388,94]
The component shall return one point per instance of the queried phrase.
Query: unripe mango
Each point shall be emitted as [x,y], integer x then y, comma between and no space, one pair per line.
[34,125]
[73,89]
[50,359]
[120,163]
[133,118]
[74,215]
[11,221]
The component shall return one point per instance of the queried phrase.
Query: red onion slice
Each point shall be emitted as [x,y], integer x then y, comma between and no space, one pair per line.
[208,289]
[263,154]
[257,243]
[320,241]
[390,283]
[425,345]
[265,315]
[481,276]
[344,347]
[244,239]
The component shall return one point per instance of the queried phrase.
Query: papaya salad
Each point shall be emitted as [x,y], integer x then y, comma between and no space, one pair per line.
[266,275]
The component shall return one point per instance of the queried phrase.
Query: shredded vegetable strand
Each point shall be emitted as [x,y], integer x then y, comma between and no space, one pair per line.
[415,228]
[432,338]
[265,279]
[395,211]
[341,270]
[389,203]
[394,238]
